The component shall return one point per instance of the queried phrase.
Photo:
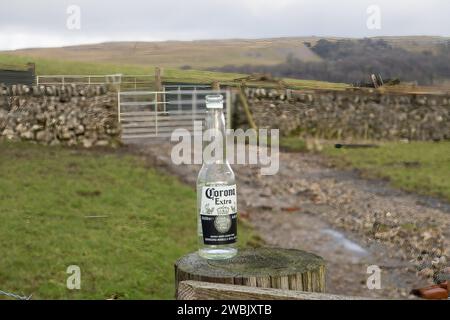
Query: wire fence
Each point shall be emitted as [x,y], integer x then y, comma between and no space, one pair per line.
[15,296]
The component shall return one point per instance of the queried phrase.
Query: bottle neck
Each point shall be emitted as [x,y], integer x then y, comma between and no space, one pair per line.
[215,119]
[215,126]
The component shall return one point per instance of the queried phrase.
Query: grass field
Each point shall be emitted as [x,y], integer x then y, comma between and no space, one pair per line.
[422,167]
[66,67]
[199,54]
[49,197]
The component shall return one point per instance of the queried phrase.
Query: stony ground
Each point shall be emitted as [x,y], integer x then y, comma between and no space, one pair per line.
[351,222]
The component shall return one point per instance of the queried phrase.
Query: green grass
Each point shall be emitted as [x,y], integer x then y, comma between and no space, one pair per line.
[46,196]
[422,167]
[66,67]
[292,144]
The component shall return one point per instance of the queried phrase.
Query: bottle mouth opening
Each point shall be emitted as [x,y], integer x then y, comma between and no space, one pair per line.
[214,101]
[214,98]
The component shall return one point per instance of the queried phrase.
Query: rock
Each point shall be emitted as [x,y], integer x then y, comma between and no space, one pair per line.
[427,235]
[435,262]
[385,235]
[21,128]
[43,136]
[72,142]
[3,114]
[27,135]
[427,272]
[87,143]
[8,133]
[66,134]
[36,127]
[102,143]
[79,129]
[49,90]
[55,142]
[62,118]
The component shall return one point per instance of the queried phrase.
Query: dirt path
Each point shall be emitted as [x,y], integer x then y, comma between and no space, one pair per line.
[351,222]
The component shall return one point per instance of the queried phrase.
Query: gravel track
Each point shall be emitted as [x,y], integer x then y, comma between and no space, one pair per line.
[351,222]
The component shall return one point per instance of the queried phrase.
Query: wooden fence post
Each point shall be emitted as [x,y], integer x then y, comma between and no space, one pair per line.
[158,87]
[244,103]
[215,86]
[158,81]
[31,66]
[287,269]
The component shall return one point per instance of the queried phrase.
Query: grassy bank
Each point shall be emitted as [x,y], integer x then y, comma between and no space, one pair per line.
[123,223]
[422,167]
[67,67]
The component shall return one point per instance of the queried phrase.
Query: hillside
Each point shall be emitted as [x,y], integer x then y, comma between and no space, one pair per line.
[195,54]
[204,54]
[424,61]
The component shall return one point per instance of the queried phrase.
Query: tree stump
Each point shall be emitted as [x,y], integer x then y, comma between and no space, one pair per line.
[287,269]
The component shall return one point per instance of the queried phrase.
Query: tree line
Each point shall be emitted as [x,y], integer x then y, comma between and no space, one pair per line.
[353,61]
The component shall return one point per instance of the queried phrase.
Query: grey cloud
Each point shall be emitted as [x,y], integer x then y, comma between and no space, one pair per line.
[44,22]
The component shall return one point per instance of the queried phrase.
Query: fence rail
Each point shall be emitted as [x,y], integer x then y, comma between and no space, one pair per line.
[197,290]
[125,82]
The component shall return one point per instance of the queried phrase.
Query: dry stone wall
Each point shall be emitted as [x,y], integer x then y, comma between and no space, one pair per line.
[67,115]
[350,114]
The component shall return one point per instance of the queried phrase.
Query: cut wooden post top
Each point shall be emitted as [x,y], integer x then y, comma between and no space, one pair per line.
[289,269]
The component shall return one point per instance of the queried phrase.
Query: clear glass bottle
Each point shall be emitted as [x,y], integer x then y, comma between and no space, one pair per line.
[216,190]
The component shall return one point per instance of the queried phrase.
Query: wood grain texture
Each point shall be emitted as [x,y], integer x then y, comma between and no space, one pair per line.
[287,269]
[197,290]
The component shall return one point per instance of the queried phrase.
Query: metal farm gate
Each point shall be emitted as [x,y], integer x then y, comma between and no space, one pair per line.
[152,114]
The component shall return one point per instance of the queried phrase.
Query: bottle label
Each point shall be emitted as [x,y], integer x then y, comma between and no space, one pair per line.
[218,213]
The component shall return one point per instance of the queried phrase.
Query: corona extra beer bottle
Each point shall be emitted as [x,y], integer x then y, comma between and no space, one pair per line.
[216,189]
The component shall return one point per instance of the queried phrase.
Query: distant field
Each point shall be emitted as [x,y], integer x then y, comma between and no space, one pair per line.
[122,222]
[196,54]
[46,66]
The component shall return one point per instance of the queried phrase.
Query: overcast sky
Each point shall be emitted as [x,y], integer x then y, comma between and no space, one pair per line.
[43,23]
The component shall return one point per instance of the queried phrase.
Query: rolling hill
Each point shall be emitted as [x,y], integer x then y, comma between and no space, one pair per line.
[195,54]
[204,54]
